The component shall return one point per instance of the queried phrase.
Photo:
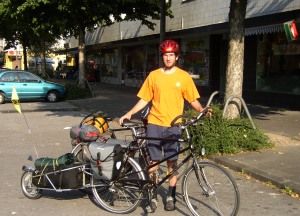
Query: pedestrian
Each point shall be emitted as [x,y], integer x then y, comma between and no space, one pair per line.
[166,88]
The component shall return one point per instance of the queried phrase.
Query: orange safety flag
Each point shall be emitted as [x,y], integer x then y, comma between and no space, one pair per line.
[15,100]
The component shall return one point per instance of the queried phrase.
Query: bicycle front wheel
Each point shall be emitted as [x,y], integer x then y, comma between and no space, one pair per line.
[216,192]
[121,196]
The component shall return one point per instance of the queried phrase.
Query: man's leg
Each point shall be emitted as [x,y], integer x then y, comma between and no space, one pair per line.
[153,174]
[170,201]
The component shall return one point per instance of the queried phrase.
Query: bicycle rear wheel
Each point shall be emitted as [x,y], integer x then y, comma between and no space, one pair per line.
[122,196]
[216,194]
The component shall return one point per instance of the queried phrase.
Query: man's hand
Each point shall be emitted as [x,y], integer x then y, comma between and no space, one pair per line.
[126,116]
[209,112]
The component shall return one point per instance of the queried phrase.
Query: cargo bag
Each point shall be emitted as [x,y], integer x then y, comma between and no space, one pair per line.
[60,173]
[66,177]
[107,158]
[66,159]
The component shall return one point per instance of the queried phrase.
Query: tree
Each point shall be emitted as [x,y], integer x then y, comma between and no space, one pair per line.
[41,19]
[87,15]
[34,24]
[235,63]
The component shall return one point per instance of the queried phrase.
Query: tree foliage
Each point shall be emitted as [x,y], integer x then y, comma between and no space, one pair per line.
[36,23]
[32,23]
[89,14]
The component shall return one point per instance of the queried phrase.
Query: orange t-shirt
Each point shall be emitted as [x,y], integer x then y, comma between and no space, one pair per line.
[167,93]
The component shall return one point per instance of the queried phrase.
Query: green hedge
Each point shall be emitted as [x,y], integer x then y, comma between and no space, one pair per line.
[74,92]
[227,136]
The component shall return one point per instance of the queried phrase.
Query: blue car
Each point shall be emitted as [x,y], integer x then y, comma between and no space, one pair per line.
[28,86]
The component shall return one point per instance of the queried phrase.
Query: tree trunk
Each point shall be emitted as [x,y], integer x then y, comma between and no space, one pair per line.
[24,45]
[162,35]
[235,63]
[81,53]
[25,58]
[43,57]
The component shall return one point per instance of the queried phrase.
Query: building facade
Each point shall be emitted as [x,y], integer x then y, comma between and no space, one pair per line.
[127,51]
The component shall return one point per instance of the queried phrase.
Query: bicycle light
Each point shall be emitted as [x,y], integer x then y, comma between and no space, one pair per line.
[203,151]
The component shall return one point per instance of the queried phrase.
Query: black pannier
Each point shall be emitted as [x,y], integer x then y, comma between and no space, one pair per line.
[58,172]
[66,177]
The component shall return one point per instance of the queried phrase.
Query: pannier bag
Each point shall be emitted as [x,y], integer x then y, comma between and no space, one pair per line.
[61,173]
[110,154]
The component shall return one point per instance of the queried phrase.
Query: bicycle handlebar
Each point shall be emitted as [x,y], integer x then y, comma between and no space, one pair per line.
[189,121]
[128,123]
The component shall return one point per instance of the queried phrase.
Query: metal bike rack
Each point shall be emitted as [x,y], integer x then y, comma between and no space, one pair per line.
[211,97]
[82,81]
[229,100]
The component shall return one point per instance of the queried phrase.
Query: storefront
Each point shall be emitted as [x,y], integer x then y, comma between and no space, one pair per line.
[194,59]
[278,64]
[138,62]
[13,59]
[272,67]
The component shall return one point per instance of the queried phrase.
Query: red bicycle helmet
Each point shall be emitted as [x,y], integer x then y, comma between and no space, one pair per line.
[169,46]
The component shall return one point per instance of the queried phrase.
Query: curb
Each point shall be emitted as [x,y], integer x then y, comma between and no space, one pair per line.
[42,110]
[257,174]
[79,107]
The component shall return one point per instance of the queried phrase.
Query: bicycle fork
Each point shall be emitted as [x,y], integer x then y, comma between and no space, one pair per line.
[207,191]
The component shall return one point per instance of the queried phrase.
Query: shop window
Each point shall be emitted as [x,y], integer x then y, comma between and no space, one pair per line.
[108,63]
[140,61]
[195,59]
[278,64]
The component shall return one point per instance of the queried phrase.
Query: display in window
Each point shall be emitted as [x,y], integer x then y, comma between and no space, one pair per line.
[195,60]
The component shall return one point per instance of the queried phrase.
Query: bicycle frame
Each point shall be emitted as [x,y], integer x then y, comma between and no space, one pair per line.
[178,166]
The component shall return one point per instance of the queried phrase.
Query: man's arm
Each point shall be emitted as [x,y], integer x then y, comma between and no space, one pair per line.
[138,106]
[198,107]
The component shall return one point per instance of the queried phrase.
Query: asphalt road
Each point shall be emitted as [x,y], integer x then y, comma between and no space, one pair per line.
[50,135]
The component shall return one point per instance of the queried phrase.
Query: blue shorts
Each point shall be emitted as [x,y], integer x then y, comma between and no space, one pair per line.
[156,147]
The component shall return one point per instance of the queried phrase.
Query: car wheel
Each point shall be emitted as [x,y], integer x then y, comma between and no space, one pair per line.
[52,96]
[2,98]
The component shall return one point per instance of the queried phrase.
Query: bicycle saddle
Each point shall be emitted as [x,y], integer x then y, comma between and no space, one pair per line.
[129,123]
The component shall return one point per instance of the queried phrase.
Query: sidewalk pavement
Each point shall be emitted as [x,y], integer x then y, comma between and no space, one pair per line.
[279,165]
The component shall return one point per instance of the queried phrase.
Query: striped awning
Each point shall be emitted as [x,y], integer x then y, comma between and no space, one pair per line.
[264,29]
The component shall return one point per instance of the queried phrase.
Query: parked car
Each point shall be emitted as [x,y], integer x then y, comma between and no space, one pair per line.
[28,86]
[2,68]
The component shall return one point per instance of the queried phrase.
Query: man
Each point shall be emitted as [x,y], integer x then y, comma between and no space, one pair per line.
[166,88]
